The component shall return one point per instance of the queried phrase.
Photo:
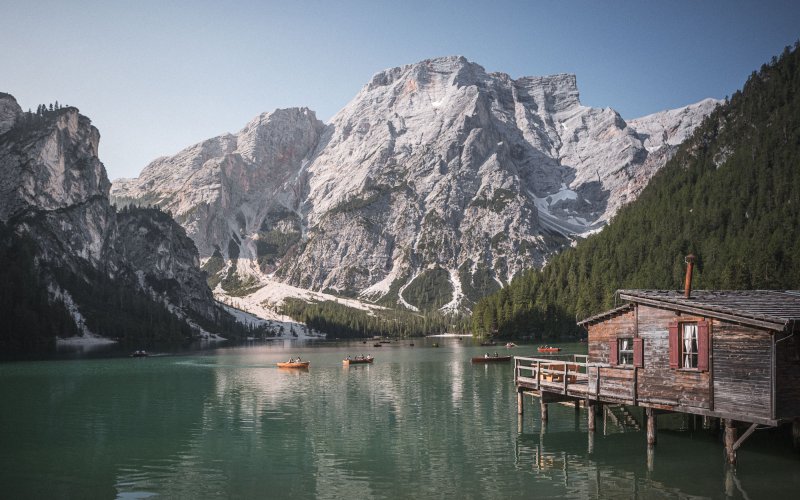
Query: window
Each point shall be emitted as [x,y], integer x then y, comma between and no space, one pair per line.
[688,345]
[625,350]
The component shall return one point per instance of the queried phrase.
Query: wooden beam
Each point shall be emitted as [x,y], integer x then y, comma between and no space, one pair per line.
[670,306]
[744,436]
[591,412]
[651,426]
[519,401]
[544,410]
[730,440]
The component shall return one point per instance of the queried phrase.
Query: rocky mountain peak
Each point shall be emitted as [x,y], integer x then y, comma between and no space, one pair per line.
[437,183]
[64,169]
[9,111]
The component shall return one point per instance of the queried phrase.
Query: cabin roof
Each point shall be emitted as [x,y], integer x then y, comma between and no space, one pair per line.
[772,309]
[606,315]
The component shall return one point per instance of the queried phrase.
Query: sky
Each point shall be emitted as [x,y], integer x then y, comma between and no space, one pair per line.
[158,76]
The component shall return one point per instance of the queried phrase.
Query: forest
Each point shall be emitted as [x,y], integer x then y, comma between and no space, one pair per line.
[731,196]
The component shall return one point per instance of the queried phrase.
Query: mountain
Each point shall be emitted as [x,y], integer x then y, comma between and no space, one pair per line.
[71,264]
[730,195]
[435,185]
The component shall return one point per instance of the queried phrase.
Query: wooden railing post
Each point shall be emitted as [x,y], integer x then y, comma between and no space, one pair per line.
[538,374]
[566,370]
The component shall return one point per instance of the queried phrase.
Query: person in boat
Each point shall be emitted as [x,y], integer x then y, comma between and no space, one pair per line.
[495,354]
[486,355]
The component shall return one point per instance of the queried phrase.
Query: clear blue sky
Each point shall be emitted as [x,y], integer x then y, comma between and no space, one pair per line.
[155,77]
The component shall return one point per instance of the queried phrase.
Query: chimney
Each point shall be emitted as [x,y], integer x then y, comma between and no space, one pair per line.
[687,286]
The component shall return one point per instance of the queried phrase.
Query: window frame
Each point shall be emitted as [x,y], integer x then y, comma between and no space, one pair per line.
[626,354]
[682,354]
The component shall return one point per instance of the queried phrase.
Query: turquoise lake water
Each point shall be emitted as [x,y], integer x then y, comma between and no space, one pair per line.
[421,422]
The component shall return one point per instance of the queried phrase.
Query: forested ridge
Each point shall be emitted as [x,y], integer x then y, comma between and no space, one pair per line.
[731,196]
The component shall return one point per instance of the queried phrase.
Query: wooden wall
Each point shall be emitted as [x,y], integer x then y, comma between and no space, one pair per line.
[604,334]
[788,376]
[742,368]
[739,379]
[658,383]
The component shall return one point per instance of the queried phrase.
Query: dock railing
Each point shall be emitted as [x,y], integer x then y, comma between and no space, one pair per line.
[572,375]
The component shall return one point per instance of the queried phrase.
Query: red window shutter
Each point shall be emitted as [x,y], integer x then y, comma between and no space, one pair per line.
[674,346]
[613,352]
[702,346]
[638,352]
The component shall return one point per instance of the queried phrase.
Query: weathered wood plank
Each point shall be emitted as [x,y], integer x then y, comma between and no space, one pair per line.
[742,358]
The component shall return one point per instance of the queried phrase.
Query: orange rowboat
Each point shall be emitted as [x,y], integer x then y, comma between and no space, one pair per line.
[294,364]
[549,349]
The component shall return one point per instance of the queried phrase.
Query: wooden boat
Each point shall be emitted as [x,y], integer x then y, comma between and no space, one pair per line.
[294,364]
[138,354]
[548,349]
[435,344]
[376,345]
[510,345]
[490,359]
[488,342]
[358,361]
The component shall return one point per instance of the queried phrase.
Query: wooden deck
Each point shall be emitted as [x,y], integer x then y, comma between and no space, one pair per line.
[572,378]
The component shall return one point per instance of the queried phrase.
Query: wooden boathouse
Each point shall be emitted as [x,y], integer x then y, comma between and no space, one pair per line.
[729,355]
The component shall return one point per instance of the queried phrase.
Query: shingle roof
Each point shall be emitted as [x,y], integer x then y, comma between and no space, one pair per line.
[605,315]
[772,309]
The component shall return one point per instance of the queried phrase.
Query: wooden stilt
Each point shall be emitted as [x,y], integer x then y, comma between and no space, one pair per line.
[706,423]
[729,482]
[591,442]
[577,406]
[651,457]
[796,433]
[544,410]
[730,440]
[651,426]
[519,402]
[590,411]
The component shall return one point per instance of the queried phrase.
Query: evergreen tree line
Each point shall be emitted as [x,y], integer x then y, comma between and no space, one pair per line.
[340,321]
[731,196]
[31,321]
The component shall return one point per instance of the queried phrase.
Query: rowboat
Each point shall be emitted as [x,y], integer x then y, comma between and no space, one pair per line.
[294,364]
[510,345]
[490,359]
[549,349]
[357,360]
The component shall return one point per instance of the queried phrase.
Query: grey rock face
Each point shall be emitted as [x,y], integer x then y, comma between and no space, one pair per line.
[433,166]
[9,111]
[54,189]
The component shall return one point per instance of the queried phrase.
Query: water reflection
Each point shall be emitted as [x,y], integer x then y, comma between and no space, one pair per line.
[418,423]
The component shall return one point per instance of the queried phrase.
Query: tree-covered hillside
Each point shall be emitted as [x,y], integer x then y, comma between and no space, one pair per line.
[731,195]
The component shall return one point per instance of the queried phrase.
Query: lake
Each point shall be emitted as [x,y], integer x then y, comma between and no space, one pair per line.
[421,422]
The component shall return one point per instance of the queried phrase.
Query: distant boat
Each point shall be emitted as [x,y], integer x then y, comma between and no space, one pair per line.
[358,360]
[376,345]
[510,345]
[139,354]
[435,344]
[490,359]
[411,344]
[548,349]
[293,364]
[488,342]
